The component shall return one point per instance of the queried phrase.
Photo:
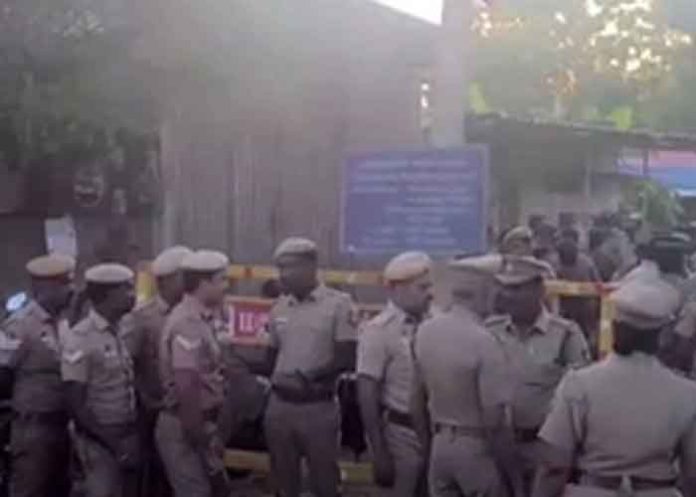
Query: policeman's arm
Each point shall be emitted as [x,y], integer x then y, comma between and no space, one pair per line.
[562,432]
[495,399]
[372,361]
[188,386]
[186,354]
[419,409]
[83,417]
[10,352]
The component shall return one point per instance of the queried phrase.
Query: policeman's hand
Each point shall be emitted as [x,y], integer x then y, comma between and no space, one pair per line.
[383,467]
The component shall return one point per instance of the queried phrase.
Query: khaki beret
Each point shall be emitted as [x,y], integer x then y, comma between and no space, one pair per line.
[489,264]
[522,269]
[518,233]
[169,261]
[51,266]
[407,266]
[109,274]
[646,304]
[205,261]
[295,246]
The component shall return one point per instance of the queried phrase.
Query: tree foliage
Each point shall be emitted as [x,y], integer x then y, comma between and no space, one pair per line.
[66,75]
[584,60]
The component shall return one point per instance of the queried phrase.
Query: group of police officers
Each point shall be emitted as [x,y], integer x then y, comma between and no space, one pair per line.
[490,395]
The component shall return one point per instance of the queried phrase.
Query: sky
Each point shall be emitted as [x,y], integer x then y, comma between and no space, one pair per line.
[426,9]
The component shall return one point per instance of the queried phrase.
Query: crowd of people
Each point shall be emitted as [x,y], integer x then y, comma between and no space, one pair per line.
[494,394]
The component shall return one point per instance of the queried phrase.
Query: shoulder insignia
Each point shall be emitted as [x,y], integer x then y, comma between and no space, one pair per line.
[187,343]
[73,357]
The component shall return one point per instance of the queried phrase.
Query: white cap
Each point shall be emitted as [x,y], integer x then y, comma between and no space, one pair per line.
[489,264]
[407,266]
[646,304]
[295,246]
[169,261]
[523,269]
[205,261]
[51,266]
[109,274]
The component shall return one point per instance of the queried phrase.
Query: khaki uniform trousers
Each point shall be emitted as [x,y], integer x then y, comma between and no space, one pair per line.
[40,459]
[188,472]
[297,430]
[409,461]
[103,477]
[462,466]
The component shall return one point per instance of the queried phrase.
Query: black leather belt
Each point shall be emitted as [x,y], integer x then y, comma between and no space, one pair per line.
[526,435]
[49,418]
[305,397]
[398,418]
[614,482]
[460,431]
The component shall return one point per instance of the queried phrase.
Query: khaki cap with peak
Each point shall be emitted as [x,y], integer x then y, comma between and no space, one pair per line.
[520,270]
[646,304]
[407,266]
[169,261]
[109,274]
[205,261]
[295,246]
[51,266]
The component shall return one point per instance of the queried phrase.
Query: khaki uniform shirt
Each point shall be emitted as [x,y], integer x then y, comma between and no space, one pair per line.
[305,332]
[189,343]
[142,332]
[96,356]
[385,354]
[31,347]
[538,362]
[462,369]
[626,416]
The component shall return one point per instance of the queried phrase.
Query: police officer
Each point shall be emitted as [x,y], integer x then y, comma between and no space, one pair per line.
[385,375]
[312,340]
[30,351]
[98,374]
[192,375]
[462,394]
[628,423]
[142,333]
[539,348]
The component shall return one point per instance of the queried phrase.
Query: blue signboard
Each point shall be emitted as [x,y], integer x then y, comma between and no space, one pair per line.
[434,201]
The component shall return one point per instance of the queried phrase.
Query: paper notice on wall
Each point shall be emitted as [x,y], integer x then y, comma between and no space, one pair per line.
[61,236]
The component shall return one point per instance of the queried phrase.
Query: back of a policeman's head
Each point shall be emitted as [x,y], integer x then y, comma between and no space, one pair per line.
[643,310]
